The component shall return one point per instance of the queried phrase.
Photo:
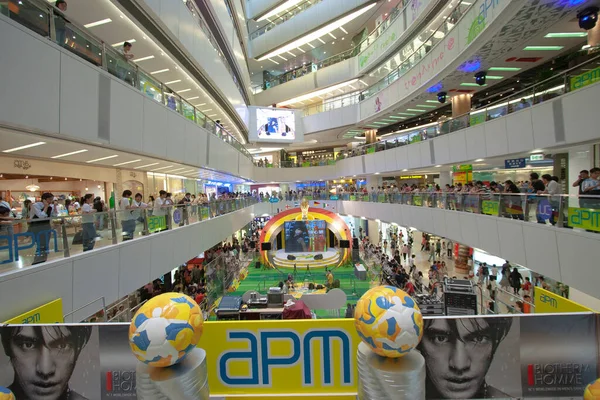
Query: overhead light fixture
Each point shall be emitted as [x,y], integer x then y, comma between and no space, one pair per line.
[471,84]
[425,106]
[200,105]
[161,168]
[415,110]
[193,98]
[282,57]
[504,69]
[310,45]
[32,188]
[343,30]
[27,146]
[276,61]
[543,48]
[160,71]
[98,23]
[316,93]
[396,117]
[174,170]
[143,59]
[172,82]
[123,42]
[317,33]
[555,35]
[279,9]
[69,154]
[147,165]
[495,77]
[404,113]
[127,162]
[332,35]
[479,160]
[431,101]
[102,159]
[184,90]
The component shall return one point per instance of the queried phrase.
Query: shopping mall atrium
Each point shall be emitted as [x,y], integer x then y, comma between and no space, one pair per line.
[413,182]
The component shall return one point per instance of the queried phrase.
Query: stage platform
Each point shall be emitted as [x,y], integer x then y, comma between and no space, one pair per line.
[331,258]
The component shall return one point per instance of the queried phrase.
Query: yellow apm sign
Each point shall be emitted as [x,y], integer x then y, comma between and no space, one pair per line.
[547,302]
[281,357]
[49,313]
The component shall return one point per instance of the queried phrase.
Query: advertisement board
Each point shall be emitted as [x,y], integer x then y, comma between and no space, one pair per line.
[270,124]
[517,356]
[547,302]
[49,313]
[584,218]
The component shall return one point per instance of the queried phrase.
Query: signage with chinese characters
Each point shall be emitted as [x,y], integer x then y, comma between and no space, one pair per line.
[515,163]
[462,168]
[411,177]
[22,164]
[536,157]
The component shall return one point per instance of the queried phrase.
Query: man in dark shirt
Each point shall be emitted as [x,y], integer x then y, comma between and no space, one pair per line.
[537,186]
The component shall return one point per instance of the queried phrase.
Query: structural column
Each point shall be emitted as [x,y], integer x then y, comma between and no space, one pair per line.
[461,104]
[593,36]
[371,136]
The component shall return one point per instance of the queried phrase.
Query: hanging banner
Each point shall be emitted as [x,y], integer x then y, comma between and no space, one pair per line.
[49,313]
[584,218]
[548,302]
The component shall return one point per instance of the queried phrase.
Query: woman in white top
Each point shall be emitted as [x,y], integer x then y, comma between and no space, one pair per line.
[127,215]
[87,223]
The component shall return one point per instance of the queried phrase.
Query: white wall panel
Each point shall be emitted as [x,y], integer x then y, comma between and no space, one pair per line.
[487,228]
[331,119]
[475,140]
[468,228]
[175,136]
[439,222]
[441,149]
[390,161]
[414,156]
[255,8]
[519,131]
[192,144]
[401,157]
[156,128]
[510,240]
[370,164]
[95,275]
[457,145]
[78,118]
[379,162]
[577,107]
[154,5]
[453,226]
[161,255]
[126,116]
[425,150]
[579,263]
[541,250]
[544,125]
[496,141]
[187,23]
[136,258]
[169,13]
[30,83]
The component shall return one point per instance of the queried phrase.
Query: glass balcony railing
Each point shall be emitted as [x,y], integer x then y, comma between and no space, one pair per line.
[279,19]
[572,79]
[25,242]
[401,8]
[51,23]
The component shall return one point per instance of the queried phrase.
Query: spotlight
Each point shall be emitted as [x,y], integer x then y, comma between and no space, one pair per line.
[480,78]
[588,18]
[442,97]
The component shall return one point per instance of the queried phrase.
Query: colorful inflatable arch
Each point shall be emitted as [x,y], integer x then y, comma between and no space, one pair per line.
[334,222]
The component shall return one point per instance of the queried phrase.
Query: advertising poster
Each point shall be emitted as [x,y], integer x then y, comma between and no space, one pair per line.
[276,123]
[50,362]
[305,236]
[117,363]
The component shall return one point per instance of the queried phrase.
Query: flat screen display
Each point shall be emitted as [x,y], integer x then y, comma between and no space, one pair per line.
[305,236]
[274,123]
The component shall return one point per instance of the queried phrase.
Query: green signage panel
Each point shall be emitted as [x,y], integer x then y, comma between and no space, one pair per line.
[584,218]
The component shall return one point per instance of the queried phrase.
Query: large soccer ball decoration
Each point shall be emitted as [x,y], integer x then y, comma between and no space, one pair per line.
[592,391]
[389,321]
[165,329]
[6,394]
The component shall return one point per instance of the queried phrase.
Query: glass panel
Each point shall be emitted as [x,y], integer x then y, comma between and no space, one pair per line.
[172,100]
[150,87]
[28,14]
[188,111]
[79,42]
[118,66]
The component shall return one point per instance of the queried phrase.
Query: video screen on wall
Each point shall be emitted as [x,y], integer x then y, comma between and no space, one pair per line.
[268,124]
[305,236]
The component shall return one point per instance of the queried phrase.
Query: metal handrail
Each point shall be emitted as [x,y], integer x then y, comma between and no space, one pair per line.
[262,30]
[87,305]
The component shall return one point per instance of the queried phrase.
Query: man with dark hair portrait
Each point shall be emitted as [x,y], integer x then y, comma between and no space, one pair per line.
[458,354]
[43,359]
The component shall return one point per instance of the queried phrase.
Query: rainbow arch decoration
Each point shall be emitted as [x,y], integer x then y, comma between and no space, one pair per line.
[334,222]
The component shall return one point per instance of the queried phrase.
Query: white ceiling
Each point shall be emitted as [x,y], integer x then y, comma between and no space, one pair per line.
[123,29]
[54,147]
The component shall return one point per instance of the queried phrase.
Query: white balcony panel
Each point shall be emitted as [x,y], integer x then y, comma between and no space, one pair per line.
[475,140]
[331,119]
[578,125]
[441,148]
[496,141]
[256,8]
[519,131]
[126,116]
[156,126]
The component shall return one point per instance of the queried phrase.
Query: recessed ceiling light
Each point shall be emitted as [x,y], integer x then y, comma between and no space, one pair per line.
[479,160]
[143,59]
[431,101]
[438,166]
[200,105]
[279,9]
[98,23]
[70,154]
[161,168]
[102,159]
[172,82]
[376,173]
[404,170]
[184,90]
[471,84]
[415,110]
[543,48]
[27,146]
[147,165]
[160,71]
[127,162]
[205,111]
[566,35]
[494,77]
[425,105]
[193,98]
[123,42]
[507,69]
[343,30]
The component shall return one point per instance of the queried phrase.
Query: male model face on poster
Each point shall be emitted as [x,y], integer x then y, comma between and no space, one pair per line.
[43,359]
[458,354]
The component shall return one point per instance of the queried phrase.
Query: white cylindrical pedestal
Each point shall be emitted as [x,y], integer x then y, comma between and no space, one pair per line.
[185,381]
[382,378]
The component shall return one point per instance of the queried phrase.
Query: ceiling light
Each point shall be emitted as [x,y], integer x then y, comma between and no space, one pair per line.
[143,59]
[512,69]
[193,98]
[566,35]
[123,42]
[494,77]
[415,110]
[200,105]
[543,48]
[431,101]
[282,57]
[310,45]
[102,159]
[127,162]
[98,23]
[299,49]
[70,154]
[174,170]
[32,188]
[343,30]
[318,33]
[376,173]
[471,84]
[479,160]
[160,71]
[332,35]
[425,106]
[205,111]
[27,146]
[161,168]
[184,90]
[396,117]
[147,165]
[321,40]
[282,7]
[172,82]
[404,170]
[212,115]
[438,166]
[316,93]
[409,114]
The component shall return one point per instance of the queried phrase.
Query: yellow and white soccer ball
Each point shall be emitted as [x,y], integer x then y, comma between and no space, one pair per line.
[6,394]
[389,321]
[592,391]
[165,329]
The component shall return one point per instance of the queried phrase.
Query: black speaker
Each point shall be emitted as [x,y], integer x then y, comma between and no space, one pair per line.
[355,243]
[291,257]
[265,246]
[257,265]
[344,244]
[319,257]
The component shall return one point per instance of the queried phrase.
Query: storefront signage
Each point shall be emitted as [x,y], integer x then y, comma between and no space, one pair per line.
[584,218]
[417,200]
[547,302]
[585,79]
[22,164]
[544,209]
[49,313]
[411,177]
[536,157]
[476,119]
[157,223]
[515,163]
[490,207]
[462,168]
